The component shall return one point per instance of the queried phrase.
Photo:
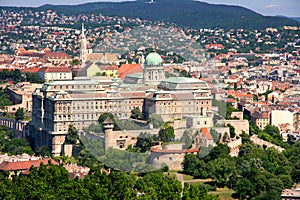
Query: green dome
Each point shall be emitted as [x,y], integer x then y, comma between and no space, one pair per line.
[153,59]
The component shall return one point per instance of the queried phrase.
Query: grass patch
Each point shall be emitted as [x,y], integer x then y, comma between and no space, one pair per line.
[173,174]
[223,193]
[187,177]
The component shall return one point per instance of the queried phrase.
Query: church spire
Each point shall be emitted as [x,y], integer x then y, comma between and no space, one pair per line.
[83,52]
[82,30]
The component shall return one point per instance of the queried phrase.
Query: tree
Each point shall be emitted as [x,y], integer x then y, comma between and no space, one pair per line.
[255,97]
[43,151]
[245,189]
[19,114]
[229,110]
[145,141]
[75,62]
[231,130]
[274,188]
[156,120]
[273,131]
[159,186]
[235,86]
[136,113]
[190,164]
[4,99]
[187,139]
[245,138]
[72,136]
[166,133]
[222,170]
[33,78]
[16,146]
[296,172]
[219,151]
[194,192]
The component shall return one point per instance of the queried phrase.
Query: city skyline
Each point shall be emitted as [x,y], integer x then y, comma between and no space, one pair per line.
[289,8]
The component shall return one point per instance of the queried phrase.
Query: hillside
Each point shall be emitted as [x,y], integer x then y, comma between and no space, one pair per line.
[182,12]
[296,18]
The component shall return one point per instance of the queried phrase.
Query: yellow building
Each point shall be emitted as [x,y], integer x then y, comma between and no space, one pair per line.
[261,119]
[101,70]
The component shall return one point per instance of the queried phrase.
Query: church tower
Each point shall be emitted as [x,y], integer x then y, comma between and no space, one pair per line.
[108,126]
[83,51]
[153,71]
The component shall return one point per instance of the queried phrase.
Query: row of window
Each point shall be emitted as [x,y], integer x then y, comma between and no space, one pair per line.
[74,86]
[182,103]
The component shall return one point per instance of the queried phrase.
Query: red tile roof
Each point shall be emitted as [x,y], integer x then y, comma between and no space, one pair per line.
[30,70]
[215,46]
[23,165]
[54,69]
[127,69]
[57,55]
[206,133]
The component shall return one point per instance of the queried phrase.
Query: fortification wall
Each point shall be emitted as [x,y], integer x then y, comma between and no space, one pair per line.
[239,125]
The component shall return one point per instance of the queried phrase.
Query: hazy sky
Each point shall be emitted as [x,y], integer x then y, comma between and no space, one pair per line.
[289,8]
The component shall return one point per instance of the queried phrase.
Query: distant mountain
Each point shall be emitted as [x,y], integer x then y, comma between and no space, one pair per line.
[296,18]
[186,13]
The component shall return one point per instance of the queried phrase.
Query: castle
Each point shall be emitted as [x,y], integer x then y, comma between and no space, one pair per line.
[80,102]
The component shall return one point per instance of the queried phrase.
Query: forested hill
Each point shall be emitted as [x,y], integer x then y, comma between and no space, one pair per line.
[182,12]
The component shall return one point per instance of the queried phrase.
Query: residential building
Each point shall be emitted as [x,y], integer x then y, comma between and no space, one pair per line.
[291,194]
[261,119]
[22,163]
[281,117]
[58,58]
[55,73]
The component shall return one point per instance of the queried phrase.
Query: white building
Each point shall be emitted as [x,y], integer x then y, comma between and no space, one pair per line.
[55,73]
[281,117]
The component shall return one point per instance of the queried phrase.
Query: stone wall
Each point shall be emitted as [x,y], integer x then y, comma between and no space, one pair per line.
[68,150]
[235,147]
[263,143]
[238,115]
[239,125]
[172,160]
[171,155]
[20,128]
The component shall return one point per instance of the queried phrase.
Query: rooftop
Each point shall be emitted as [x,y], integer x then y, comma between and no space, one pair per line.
[182,80]
[153,59]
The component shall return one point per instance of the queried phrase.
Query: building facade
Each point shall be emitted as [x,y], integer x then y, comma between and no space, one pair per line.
[55,73]
[77,102]
[177,104]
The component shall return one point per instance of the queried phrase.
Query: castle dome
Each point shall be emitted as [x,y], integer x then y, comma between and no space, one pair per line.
[153,59]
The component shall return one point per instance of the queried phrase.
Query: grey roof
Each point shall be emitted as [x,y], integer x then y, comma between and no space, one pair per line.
[108,120]
[182,80]
[73,82]
[135,75]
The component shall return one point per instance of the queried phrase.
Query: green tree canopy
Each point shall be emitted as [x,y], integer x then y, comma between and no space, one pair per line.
[156,120]
[136,113]
[72,136]
[20,114]
[166,133]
